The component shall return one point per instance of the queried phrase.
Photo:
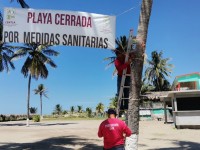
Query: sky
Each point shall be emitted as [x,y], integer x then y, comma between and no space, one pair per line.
[81,77]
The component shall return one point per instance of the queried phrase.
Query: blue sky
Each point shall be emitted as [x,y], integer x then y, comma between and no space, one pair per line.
[81,77]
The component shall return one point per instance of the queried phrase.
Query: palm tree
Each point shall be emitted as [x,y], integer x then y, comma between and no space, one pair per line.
[33,110]
[58,109]
[146,87]
[122,43]
[80,109]
[41,90]
[158,70]
[113,103]
[35,65]
[6,53]
[72,109]
[22,3]
[100,108]
[136,74]
[89,112]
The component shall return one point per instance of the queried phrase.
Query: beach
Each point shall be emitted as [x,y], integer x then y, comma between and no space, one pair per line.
[82,135]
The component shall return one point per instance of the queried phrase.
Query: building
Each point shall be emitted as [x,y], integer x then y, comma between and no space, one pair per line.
[185,101]
[185,108]
[187,82]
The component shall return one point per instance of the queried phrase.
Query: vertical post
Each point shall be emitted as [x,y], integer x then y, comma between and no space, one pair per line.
[165,111]
[175,104]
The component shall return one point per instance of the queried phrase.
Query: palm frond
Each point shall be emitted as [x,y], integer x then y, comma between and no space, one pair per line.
[23,4]
[1,64]
[26,67]
[51,52]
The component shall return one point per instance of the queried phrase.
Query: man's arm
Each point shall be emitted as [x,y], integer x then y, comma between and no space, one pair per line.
[126,130]
[100,131]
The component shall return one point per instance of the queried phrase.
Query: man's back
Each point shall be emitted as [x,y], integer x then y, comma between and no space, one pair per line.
[113,130]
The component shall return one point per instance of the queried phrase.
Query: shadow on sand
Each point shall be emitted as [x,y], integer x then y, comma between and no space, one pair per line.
[57,143]
[180,145]
[35,124]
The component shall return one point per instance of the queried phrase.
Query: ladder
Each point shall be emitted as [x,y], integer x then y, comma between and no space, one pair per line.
[130,48]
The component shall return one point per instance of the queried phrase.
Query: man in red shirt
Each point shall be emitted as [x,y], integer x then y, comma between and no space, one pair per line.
[113,132]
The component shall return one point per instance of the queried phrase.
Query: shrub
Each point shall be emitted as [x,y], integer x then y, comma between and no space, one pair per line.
[2,118]
[13,118]
[36,118]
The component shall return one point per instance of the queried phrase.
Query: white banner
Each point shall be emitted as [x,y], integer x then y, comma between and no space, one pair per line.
[57,27]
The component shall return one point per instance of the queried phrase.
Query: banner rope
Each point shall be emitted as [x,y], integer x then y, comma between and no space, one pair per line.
[132,8]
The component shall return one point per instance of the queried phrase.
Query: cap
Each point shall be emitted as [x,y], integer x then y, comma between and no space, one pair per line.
[111,111]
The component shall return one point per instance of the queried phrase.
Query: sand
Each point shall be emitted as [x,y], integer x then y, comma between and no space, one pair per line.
[82,135]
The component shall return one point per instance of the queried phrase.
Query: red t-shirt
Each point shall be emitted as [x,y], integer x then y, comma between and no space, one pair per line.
[113,130]
[120,66]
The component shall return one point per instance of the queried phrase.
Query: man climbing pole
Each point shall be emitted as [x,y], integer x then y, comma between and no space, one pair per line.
[120,65]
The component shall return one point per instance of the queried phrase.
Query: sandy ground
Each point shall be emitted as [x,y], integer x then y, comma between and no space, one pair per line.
[82,135]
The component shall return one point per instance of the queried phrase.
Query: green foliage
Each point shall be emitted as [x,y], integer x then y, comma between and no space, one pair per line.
[22,3]
[122,43]
[12,117]
[36,118]
[158,70]
[35,65]
[57,110]
[146,87]
[41,90]
[80,109]
[89,112]
[100,109]
[37,59]
[6,53]
[33,110]
[72,109]
[2,118]
[113,103]
[64,112]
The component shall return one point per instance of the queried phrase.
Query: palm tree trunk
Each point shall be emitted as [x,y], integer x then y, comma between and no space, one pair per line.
[41,106]
[28,100]
[136,75]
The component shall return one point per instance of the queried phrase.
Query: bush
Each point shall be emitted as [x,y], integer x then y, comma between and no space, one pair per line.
[2,118]
[13,118]
[36,118]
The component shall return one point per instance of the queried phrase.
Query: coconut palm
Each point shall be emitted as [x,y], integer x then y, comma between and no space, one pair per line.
[113,103]
[41,90]
[22,3]
[146,87]
[33,110]
[136,74]
[38,56]
[158,70]
[6,54]
[89,112]
[72,109]
[6,51]
[100,108]
[122,43]
[80,109]
[58,109]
